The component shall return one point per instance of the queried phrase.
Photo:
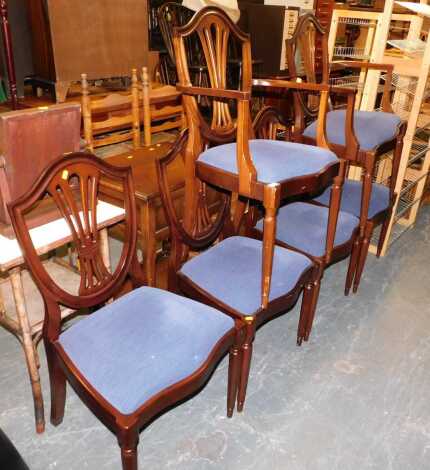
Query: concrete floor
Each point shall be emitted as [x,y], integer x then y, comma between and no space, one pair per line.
[355,397]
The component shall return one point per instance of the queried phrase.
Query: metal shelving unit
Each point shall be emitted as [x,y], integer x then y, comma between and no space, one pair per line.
[410,57]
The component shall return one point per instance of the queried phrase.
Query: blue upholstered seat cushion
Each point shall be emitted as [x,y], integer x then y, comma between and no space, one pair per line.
[351,198]
[304,226]
[142,343]
[371,128]
[231,272]
[274,160]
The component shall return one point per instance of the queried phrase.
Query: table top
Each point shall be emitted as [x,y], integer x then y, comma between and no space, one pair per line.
[142,162]
[52,235]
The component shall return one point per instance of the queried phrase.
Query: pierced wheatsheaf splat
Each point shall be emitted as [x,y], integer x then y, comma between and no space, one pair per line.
[76,198]
[214,37]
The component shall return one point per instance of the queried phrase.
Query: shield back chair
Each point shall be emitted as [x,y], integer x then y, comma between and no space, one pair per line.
[308,227]
[221,151]
[228,275]
[133,356]
[112,118]
[359,137]
[170,15]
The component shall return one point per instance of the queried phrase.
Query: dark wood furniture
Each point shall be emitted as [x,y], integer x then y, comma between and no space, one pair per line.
[124,387]
[359,137]
[7,44]
[67,41]
[29,140]
[171,14]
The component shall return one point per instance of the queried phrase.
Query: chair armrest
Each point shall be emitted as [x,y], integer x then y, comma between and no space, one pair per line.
[321,137]
[274,83]
[214,92]
[366,65]
[386,101]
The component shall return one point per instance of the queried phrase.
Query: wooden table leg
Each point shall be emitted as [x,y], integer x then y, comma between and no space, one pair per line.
[148,243]
[29,347]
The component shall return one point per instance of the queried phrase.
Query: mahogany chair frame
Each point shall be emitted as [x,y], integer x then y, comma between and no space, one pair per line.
[366,160]
[204,233]
[265,125]
[98,285]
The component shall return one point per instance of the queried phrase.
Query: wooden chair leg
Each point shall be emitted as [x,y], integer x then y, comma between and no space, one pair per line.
[129,452]
[315,293]
[304,312]
[352,267]
[233,379]
[363,255]
[383,235]
[246,355]
[57,381]
[29,347]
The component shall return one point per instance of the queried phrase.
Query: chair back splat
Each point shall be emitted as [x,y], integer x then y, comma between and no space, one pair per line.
[72,183]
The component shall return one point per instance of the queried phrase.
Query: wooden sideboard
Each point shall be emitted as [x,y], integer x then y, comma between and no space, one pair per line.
[102,38]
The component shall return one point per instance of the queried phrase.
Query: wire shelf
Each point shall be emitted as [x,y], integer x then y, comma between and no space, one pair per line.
[356,21]
[350,52]
[349,81]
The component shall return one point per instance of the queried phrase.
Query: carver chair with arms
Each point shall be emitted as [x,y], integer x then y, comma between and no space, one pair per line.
[359,137]
[136,354]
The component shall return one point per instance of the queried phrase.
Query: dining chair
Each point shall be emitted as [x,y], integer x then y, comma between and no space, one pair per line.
[160,108]
[308,227]
[360,137]
[134,355]
[228,275]
[111,118]
[170,15]
[258,170]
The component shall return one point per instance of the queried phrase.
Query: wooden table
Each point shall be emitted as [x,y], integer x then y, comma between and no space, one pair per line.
[26,328]
[153,226]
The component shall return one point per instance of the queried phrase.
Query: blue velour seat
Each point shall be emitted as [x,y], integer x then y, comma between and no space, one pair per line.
[142,343]
[304,226]
[351,198]
[231,272]
[274,160]
[371,128]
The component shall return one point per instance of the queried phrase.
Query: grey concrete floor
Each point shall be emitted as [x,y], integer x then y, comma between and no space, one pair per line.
[355,397]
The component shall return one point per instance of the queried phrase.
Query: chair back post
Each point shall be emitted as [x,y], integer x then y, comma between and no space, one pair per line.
[86,114]
[135,109]
[146,107]
[72,181]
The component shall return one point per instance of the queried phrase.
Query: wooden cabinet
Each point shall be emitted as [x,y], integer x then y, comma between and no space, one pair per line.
[102,38]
